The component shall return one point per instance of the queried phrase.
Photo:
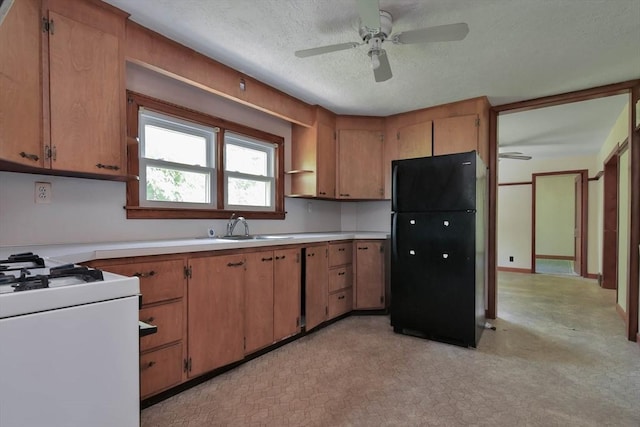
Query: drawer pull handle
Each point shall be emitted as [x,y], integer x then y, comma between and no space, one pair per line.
[345,194]
[268,259]
[341,249]
[341,273]
[108,167]
[149,320]
[281,257]
[33,157]
[311,254]
[363,248]
[341,297]
[147,274]
[235,264]
[147,365]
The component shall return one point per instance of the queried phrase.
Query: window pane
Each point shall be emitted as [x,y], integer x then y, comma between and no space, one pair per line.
[174,146]
[246,192]
[172,185]
[246,160]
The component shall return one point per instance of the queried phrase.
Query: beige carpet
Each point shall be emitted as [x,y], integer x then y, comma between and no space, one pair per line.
[558,357]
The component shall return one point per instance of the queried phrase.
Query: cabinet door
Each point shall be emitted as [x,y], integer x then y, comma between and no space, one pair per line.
[258,301]
[455,134]
[86,98]
[326,158]
[360,165]
[20,89]
[286,298]
[415,140]
[369,292]
[216,312]
[316,282]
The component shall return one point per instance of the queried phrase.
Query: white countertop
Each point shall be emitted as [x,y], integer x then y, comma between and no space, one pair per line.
[77,253]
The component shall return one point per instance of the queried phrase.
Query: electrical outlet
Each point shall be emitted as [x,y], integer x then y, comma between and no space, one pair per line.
[43,192]
[510,259]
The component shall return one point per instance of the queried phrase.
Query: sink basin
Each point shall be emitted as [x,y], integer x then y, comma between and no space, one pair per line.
[273,237]
[237,237]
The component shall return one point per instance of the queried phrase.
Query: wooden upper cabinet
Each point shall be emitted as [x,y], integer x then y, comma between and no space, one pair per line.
[360,154]
[20,85]
[313,157]
[86,98]
[415,140]
[455,134]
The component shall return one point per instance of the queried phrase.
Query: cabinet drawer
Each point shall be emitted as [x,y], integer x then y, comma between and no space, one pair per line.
[340,254]
[340,278]
[160,370]
[340,303]
[159,281]
[169,320]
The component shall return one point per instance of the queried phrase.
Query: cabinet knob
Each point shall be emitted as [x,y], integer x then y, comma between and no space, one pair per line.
[108,167]
[33,157]
[147,274]
[147,365]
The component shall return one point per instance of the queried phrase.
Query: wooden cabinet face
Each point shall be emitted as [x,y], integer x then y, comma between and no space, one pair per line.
[20,85]
[86,98]
[160,370]
[286,293]
[369,290]
[340,303]
[258,300]
[326,167]
[169,320]
[340,254]
[360,164]
[415,140]
[455,134]
[216,312]
[316,282]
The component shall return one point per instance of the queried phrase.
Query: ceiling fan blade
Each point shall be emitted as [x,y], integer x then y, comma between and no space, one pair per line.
[440,33]
[383,72]
[325,49]
[514,156]
[369,11]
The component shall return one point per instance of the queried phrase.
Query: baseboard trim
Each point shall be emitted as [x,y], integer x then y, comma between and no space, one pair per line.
[638,338]
[564,257]
[592,276]
[515,270]
[621,312]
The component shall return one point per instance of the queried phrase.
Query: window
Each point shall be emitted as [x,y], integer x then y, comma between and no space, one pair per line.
[177,161]
[192,165]
[248,173]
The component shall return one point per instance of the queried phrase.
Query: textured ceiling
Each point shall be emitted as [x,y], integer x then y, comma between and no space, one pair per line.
[515,49]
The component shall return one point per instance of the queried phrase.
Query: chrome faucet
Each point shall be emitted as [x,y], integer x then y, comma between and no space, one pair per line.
[231,225]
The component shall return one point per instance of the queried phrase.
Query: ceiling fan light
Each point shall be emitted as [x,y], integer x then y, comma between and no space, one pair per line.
[375,61]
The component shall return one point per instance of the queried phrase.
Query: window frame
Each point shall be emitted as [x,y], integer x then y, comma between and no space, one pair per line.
[136,210]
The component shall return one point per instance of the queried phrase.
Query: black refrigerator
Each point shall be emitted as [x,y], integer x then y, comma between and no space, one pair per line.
[438,229]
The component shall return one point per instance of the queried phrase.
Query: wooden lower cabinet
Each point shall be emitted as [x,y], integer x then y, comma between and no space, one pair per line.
[258,299]
[316,285]
[369,283]
[160,369]
[216,312]
[286,293]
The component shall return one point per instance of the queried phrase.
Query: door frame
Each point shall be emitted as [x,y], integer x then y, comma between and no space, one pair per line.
[610,215]
[584,191]
[631,88]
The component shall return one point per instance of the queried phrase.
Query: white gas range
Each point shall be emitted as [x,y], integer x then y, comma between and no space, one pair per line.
[68,345]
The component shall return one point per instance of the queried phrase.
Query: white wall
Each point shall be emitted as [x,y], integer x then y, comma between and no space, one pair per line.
[555,215]
[515,202]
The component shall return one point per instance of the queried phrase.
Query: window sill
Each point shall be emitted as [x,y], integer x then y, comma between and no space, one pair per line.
[139,212]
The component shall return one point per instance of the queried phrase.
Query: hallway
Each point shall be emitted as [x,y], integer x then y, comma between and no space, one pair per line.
[558,357]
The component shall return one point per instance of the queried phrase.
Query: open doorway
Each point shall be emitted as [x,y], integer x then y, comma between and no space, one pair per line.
[559,225]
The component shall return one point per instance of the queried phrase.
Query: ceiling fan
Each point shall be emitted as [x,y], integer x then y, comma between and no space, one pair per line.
[375,29]
[513,155]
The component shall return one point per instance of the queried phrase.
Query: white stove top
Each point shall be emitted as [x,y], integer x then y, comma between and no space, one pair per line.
[63,291]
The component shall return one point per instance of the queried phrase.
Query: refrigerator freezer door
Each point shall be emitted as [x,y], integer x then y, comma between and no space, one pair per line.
[433,275]
[439,183]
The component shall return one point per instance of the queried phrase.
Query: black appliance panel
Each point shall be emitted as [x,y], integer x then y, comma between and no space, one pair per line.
[439,183]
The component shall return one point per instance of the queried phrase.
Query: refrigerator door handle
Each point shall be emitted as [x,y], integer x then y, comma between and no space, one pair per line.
[394,235]
[394,185]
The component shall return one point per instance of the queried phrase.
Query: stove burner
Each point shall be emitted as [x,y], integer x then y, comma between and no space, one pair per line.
[70,270]
[17,261]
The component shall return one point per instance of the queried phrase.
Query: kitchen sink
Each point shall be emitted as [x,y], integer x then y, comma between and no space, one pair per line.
[255,237]
[237,237]
[273,237]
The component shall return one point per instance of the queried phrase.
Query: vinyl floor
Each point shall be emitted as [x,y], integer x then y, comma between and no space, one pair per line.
[558,357]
